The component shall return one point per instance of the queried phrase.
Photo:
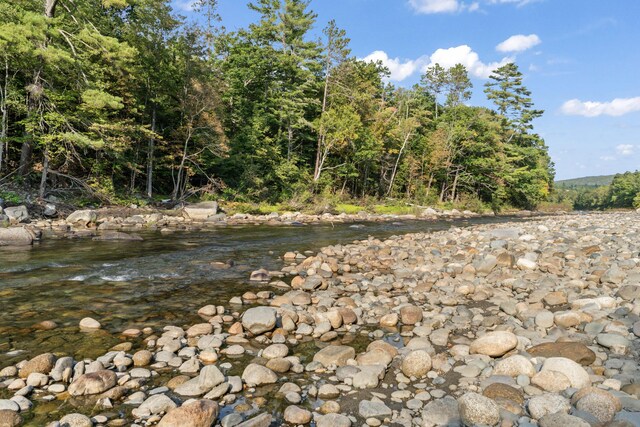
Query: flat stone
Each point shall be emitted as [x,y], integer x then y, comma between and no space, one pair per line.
[334,355]
[504,391]
[373,409]
[575,351]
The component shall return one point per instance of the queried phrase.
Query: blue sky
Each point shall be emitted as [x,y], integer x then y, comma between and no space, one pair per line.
[580,58]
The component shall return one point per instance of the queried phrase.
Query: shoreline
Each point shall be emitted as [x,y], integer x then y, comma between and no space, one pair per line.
[517,323]
[124,223]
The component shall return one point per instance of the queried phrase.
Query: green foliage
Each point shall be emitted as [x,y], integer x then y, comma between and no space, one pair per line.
[125,97]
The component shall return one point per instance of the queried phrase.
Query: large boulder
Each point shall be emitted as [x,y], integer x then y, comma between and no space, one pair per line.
[17,214]
[93,383]
[16,236]
[200,413]
[258,320]
[82,217]
[201,211]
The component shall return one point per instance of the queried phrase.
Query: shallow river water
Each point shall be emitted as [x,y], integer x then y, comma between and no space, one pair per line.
[161,280]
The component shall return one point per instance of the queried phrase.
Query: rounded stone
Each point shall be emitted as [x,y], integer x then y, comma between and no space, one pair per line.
[198,413]
[296,415]
[547,403]
[258,320]
[513,366]
[89,323]
[476,409]
[275,351]
[9,418]
[41,364]
[416,364]
[552,381]
[333,420]
[494,344]
[410,315]
[255,375]
[597,402]
[75,420]
[577,376]
[93,383]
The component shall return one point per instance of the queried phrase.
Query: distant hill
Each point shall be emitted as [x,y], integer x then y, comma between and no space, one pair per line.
[587,181]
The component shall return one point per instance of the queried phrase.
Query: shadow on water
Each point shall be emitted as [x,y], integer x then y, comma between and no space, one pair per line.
[161,280]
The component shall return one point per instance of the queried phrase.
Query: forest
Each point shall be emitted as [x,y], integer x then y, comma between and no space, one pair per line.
[121,100]
[623,192]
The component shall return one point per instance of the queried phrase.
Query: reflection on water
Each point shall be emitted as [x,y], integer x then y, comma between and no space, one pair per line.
[161,280]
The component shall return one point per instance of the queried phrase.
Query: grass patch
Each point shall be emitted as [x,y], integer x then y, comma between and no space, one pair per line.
[349,209]
[395,210]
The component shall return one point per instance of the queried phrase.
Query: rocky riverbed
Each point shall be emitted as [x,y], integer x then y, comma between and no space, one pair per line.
[530,323]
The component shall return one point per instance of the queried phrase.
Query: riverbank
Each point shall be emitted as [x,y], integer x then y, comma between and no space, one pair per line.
[123,223]
[512,324]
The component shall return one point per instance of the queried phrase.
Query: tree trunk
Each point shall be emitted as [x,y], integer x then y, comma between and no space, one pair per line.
[454,186]
[321,138]
[395,167]
[50,8]
[151,147]
[25,156]
[4,125]
[45,172]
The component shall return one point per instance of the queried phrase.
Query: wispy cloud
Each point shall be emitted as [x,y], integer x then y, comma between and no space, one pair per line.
[453,6]
[617,107]
[625,149]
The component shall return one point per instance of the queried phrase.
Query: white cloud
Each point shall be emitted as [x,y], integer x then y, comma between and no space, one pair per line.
[625,149]
[617,107]
[399,69]
[518,43]
[451,6]
[607,158]
[446,58]
[464,55]
[435,6]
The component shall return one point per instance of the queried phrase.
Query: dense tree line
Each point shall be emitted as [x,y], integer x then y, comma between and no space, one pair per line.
[125,97]
[624,192]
